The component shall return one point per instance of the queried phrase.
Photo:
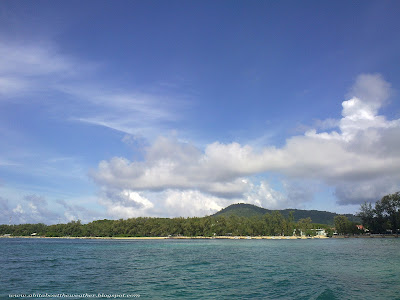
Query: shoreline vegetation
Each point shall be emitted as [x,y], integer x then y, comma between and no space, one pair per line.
[274,225]
[238,221]
[207,237]
[176,237]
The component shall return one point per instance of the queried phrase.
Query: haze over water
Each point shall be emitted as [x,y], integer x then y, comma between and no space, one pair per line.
[204,269]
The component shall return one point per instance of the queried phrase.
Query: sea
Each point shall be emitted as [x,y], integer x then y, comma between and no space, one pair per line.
[363,268]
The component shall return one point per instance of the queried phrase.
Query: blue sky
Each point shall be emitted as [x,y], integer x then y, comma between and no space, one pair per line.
[118,109]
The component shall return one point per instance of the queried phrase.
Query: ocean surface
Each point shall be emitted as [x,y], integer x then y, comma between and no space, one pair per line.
[202,269]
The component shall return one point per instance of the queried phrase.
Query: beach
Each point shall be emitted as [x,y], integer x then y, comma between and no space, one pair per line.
[178,237]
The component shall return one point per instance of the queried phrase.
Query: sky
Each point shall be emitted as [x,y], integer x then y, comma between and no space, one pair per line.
[121,109]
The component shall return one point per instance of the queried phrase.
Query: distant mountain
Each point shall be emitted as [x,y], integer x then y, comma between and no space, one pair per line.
[242,210]
[249,210]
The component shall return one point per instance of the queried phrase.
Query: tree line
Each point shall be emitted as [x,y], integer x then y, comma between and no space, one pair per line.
[344,226]
[384,216]
[270,224]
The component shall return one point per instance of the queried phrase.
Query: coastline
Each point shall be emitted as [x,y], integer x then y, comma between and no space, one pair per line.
[177,237]
[205,237]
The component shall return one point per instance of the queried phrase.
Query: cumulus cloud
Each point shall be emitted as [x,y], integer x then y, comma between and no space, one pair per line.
[326,124]
[183,202]
[37,209]
[359,154]
[171,164]
[29,209]
[356,192]
[264,195]
[73,212]
[372,89]
[191,203]
[125,203]
[4,211]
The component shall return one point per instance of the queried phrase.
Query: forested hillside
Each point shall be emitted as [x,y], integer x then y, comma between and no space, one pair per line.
[249,210]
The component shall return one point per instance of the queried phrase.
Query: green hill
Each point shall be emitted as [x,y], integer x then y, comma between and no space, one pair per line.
[249,210]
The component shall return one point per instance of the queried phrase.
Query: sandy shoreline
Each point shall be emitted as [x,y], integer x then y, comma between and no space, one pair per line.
[205,238]
[177,238]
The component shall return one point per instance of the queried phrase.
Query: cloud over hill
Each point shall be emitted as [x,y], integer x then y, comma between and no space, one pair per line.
[359,158]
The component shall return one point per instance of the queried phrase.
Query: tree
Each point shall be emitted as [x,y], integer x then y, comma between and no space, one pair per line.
[290,224]
[384,216]
[366,215]
[304,225]
[341,224]
[277,223]
[344,226]
[391,208]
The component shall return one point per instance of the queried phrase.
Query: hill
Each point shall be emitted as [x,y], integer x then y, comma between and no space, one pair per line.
[249,210]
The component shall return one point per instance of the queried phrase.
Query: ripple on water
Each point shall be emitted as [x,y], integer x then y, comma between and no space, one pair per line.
[311,269]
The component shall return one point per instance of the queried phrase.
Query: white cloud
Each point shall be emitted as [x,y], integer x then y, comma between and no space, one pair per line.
[25,68]
[18,209]
[33,208]
[326,124]
[73,212]
[265,196]
[130,112]
[5,211]
[359,154]
[125,203]
[190,203]
[185,202]
[361,150]
[66,87]
[33,60]
[30,209]
[353,192]
[12,86]
[372,89]
[172,164]
[43,69]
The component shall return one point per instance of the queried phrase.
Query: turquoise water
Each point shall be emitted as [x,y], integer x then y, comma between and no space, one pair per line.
[203,269]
